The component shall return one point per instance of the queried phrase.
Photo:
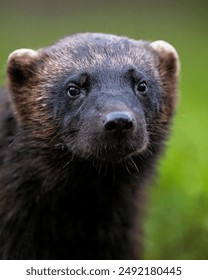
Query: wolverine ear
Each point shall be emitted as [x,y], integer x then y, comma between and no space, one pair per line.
[168,66]
[168,57]
[21,66]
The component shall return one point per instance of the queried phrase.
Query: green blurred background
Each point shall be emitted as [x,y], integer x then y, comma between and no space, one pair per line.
[176,218]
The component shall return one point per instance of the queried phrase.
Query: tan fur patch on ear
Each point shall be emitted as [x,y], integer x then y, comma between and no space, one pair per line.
[163,46]
[22,53]
[166,49]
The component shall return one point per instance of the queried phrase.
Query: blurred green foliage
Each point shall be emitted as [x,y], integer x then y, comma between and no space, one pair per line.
[176,217]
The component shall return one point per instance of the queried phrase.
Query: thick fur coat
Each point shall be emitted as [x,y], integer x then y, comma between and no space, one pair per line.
[82,123]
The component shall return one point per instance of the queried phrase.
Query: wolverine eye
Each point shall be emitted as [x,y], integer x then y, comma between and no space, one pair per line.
[142,88]
[73,92]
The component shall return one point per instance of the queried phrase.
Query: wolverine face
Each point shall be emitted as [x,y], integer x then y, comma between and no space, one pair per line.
[101,96]
[105,113]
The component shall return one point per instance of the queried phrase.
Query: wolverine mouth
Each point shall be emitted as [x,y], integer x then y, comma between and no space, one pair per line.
[117,150]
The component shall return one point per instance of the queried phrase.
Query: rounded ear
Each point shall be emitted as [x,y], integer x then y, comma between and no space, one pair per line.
[168,66]
[164,47]
[168,56]
[22,52]
[21,65]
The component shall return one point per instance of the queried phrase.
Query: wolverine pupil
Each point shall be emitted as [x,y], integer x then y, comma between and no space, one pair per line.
[73,91]
[142,87]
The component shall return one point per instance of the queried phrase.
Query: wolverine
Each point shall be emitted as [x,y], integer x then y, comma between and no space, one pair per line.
[82,125]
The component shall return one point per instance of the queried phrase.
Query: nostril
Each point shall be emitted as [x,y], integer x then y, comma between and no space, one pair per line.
[118,121]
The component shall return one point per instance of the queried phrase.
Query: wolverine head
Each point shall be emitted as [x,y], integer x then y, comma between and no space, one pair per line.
[100,96]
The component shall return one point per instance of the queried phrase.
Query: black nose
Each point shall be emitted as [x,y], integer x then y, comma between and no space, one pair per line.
[118,121]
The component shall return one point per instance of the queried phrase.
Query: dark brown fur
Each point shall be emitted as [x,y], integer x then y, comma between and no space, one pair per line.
[70,185]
